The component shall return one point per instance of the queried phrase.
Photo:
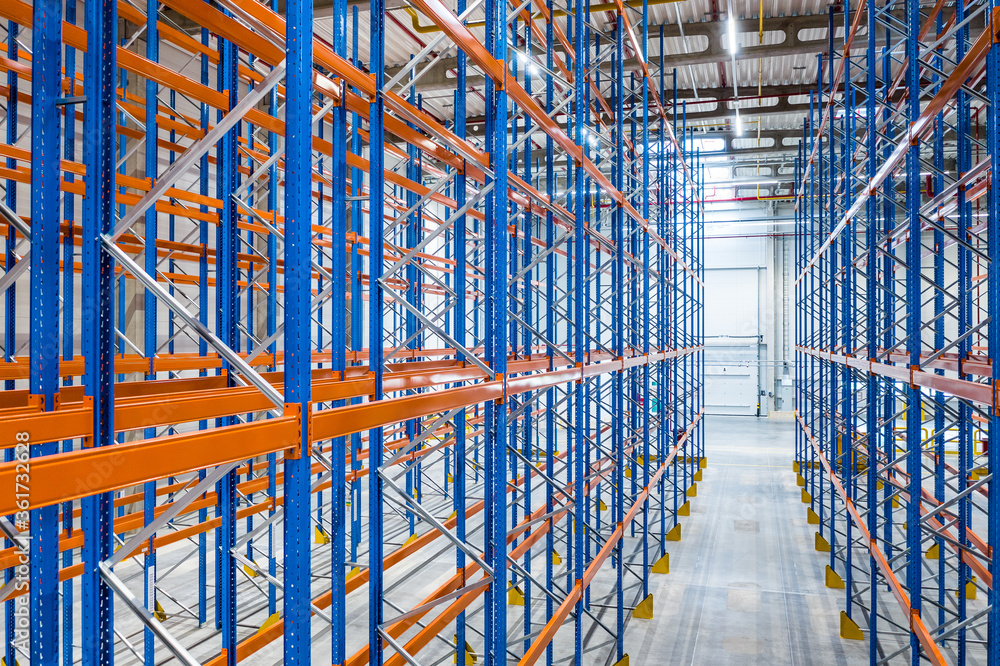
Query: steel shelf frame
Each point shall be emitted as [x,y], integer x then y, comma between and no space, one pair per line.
[896,396]
[296,344]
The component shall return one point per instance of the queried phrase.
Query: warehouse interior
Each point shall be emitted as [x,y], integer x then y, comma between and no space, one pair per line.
[466,331]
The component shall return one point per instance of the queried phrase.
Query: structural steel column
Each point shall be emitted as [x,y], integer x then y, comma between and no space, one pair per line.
[495,441]
[46,80]
[576,444]
[338,343]
[993,341]
[298,328]
[376,258]
[97,316]
[914,406]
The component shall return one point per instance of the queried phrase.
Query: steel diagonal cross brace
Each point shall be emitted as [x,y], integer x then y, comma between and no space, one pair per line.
[276,232]
[427,432]
[234,359]
[144,614]
[441,228]
[459,146]
[426,50]
[437,329]
[430,193]
[22,264]
[422,269]
[13,219]
[199,148]
[270,161]
[426,515]
[539,335]
[175,507]
[423,608]
[279,511]
[917,626]
[318,299]
[23,542]
[448,307]
[263,572]
[913,133]
[280,329]
[136,543]
[175,171]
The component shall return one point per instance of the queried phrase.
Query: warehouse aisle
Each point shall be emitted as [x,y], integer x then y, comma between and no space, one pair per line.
[745,585]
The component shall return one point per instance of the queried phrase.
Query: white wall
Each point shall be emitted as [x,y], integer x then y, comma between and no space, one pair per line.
[748,322]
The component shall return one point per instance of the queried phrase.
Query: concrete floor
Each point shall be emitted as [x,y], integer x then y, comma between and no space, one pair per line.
[745,585]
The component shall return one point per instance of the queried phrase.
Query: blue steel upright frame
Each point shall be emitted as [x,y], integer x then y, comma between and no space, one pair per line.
[46,141]
[298,328]
[337,282]
[896,400]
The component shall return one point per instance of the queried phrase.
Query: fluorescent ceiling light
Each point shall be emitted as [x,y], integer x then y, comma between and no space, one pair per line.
[744,183]
[733,45]
[747,224]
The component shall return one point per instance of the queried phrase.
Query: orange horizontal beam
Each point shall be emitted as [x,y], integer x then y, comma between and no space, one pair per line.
[73,475]
[141,411]
[544,638]
[917,626]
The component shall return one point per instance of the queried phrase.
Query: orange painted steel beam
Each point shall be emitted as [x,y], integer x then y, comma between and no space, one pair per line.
[425,373]
[18,369]
[896,469]
[462,576]
[9,557]
[917,626]
[163,408]
[961,388]
[437,626]
[543,11]
[462,602]
[47,426]
[239,34]
[22,174]
[20,11]
[544,638]
[331,423]
[327,424]
[837,78]
[964,70]
[268,635]
[69,476]
[439,623]
[493,68]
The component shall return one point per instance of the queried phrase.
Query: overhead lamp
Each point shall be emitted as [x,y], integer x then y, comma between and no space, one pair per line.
[739,124]
[733,45]
[736,224]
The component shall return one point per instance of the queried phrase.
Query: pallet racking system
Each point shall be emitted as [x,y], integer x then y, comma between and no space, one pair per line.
[280,384]
[897,401]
